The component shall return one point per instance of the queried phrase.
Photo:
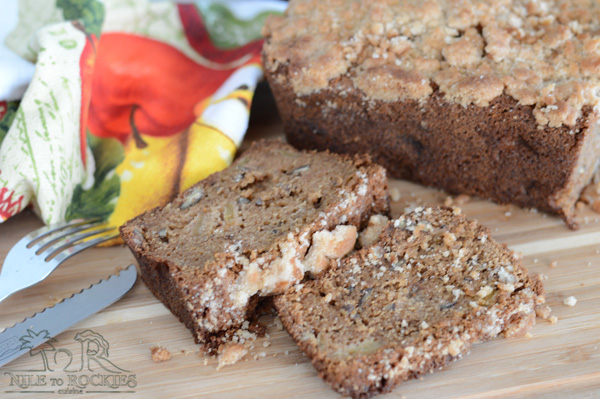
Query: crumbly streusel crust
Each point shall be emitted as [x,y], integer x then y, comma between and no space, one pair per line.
[252,230]
[542,53]
[434,284]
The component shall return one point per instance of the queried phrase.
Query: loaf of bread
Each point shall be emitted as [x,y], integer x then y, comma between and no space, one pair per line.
[489,98]
[432,285]
[252,230]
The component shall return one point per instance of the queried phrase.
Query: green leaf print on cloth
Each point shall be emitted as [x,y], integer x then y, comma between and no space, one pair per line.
[100,199]
[89,12]
[8,110]
[226,30]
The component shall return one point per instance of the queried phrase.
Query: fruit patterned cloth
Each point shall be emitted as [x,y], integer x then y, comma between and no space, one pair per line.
[131,103]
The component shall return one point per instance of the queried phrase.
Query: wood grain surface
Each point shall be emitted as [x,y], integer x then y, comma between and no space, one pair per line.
[560,360]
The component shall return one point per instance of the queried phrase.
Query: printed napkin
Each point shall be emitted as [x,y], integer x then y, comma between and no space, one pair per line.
[131,102]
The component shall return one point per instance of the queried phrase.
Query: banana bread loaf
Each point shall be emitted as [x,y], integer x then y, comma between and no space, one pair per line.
[252,230]
[491,98]
[432,285]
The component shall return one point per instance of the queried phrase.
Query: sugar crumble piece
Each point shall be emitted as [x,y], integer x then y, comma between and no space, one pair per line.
[543,311]
[231,353]
[278,324]
[160,354]
[570,301]
[374,229]
[484,291]
[553,319]
[553,264]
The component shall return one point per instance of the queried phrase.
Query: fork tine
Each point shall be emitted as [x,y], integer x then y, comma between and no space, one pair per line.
[67,253]
[65,242]
[52,237]
[47,230]
[70,241]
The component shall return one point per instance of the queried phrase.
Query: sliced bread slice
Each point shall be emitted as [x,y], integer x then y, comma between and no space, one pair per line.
[253,229]
[433,284]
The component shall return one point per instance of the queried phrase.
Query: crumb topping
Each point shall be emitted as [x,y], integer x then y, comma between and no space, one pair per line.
[542,53]
[570,301]
[160,354]
[231,353]
[374,229]
[289,268]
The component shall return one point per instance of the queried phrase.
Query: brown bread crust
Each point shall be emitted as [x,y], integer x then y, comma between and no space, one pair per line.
[496,152]
[210,253]
[434,284]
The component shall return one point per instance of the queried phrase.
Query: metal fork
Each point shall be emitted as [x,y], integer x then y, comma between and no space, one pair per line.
[36,255]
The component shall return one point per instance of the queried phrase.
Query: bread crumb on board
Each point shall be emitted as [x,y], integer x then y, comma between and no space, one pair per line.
[160,354]
[460,199]
[570,301]
[277,324]
[543,311]
[231,353]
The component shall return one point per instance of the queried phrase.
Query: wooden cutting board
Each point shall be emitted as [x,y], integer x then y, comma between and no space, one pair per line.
[109,353]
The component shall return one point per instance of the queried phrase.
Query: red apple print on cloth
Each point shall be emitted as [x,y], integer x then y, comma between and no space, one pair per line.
[9,203]
[143,86]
